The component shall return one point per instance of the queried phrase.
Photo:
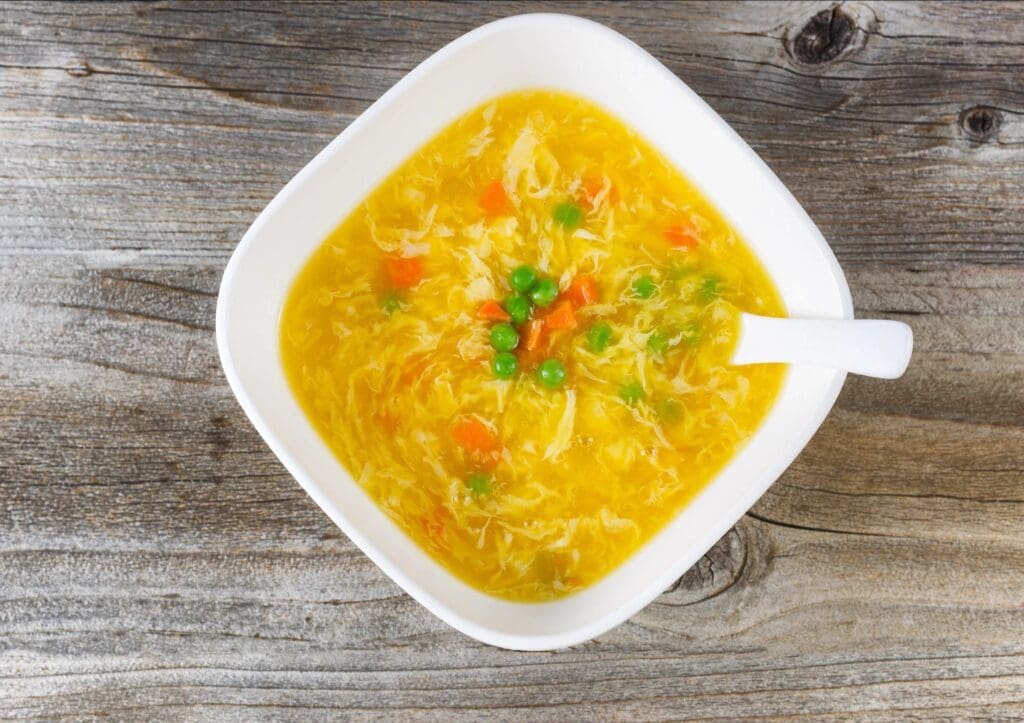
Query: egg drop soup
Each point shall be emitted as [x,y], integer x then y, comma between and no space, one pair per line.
[518,344]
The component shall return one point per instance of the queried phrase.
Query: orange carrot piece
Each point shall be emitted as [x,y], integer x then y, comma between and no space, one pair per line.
[480,443]
[492,311]
[533,334]
[387,421]
[435,525]
[404,272]
[682,235]
[583,290]
[561,316]
[494,200]
[592,186]
[413,369]
[489,461]
[475,437]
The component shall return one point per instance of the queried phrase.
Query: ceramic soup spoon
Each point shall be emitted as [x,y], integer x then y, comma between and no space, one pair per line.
[873,348]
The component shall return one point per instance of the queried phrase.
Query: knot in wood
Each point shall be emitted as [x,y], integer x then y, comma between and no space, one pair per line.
[714,573]
[80,69]
[980,123]
[824,37]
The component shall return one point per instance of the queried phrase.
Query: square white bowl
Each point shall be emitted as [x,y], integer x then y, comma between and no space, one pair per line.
[587,59]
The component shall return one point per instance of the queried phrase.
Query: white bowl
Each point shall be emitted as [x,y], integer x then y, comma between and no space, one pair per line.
[588,59]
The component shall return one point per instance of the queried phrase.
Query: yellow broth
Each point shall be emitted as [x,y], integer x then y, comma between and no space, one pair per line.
[524,488]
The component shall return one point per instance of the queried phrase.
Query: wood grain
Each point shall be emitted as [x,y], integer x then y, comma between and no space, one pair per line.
[157,561]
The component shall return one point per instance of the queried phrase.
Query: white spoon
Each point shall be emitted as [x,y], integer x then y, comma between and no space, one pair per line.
[873,348]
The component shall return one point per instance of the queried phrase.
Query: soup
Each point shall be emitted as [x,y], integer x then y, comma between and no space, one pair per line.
[518,344]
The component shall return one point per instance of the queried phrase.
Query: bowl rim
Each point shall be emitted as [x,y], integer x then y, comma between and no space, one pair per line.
[236,265]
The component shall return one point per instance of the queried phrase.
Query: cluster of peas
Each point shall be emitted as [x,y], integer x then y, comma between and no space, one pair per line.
[528,290]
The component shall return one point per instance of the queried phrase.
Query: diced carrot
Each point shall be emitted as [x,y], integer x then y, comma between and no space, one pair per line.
[494,200]
[682,235]
[561,316]
[475,437]
[583,290]
[435,525]
[480,443]
[413,369]
[387,421]
[404,272]
[533,334]
[592,186]
[488,462]
[492,311]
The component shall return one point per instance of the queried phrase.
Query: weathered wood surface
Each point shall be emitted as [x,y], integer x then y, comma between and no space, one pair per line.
[155,559]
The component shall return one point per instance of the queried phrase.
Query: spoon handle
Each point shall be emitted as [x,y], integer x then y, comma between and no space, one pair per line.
[873,348]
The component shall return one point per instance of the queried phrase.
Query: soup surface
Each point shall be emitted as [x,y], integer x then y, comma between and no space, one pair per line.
[517,344]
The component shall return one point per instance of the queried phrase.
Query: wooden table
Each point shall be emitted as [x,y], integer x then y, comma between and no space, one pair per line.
[157,561]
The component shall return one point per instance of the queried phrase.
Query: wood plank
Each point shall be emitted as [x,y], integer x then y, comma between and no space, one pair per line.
[155,558]
[326,630]
[884,117]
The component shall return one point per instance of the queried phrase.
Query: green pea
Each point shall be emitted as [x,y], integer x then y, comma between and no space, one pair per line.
[631,393]
[551,373]
[568,215]
[518,307]
[522,278]
[691,333]
[391,303]
[504,365]
[599,337]
[644,287]
[479,483]
[657,343]
[544,293]
[504,337]
[710,288]
[669,410]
